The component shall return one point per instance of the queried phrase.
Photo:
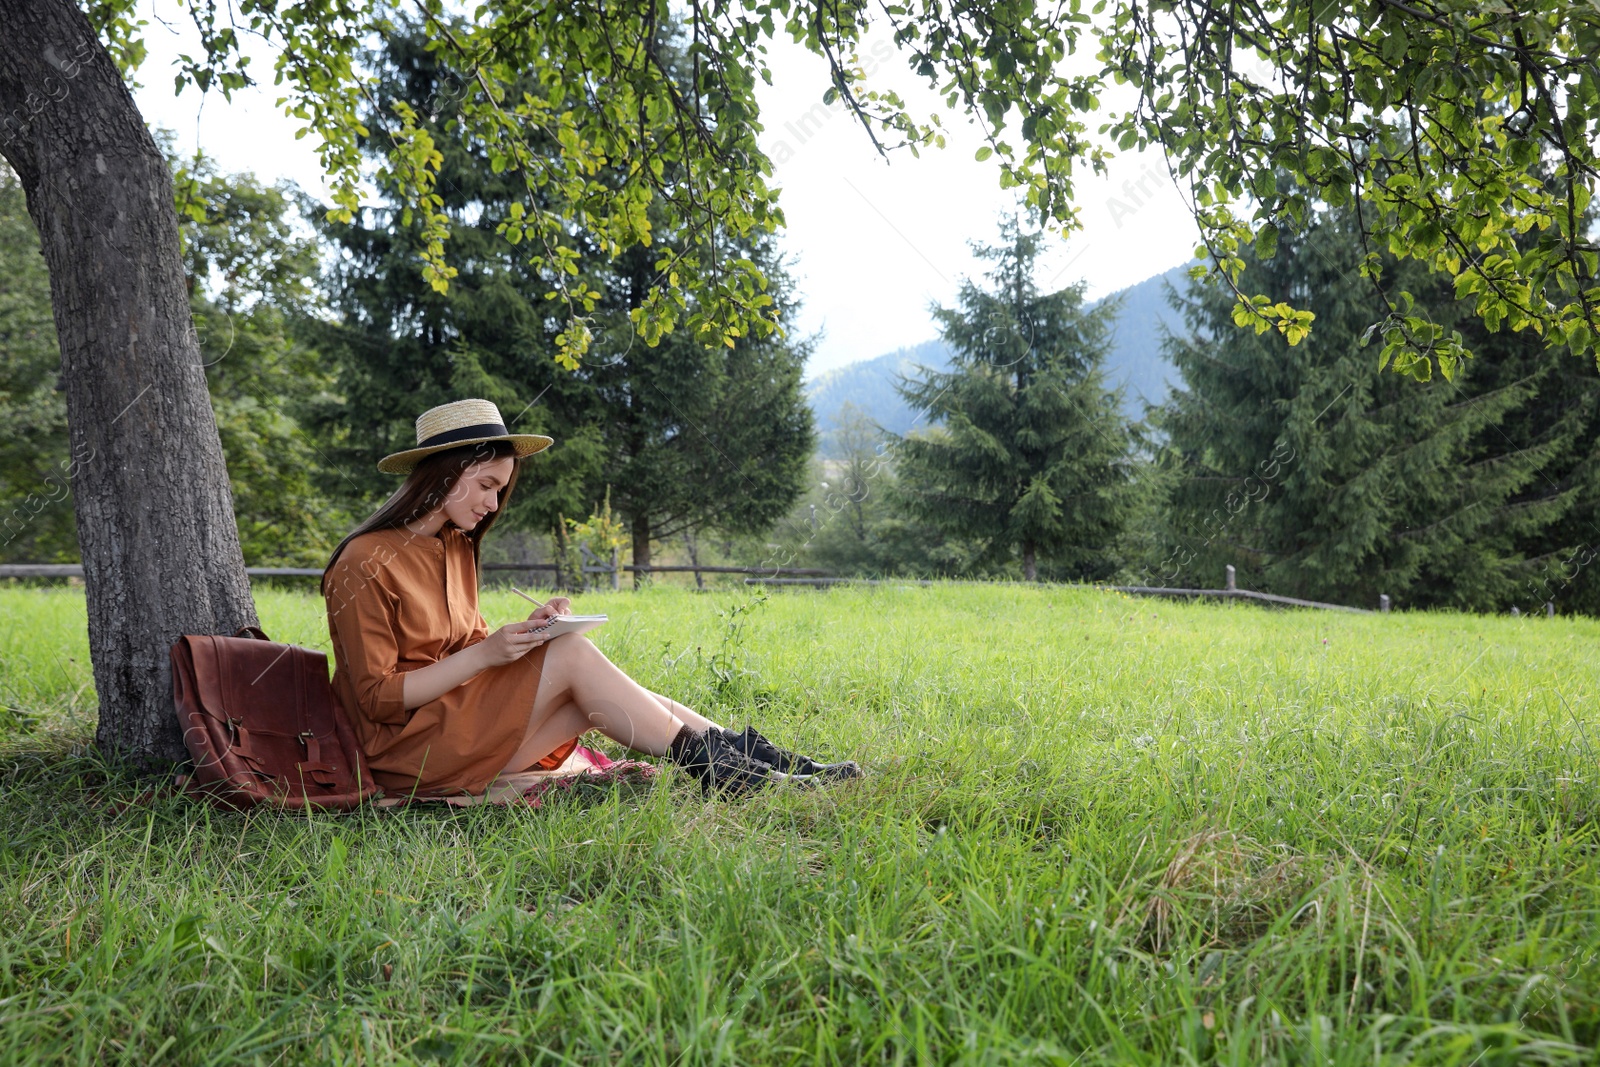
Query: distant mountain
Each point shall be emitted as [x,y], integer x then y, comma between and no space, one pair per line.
[869,385]
[1135,363]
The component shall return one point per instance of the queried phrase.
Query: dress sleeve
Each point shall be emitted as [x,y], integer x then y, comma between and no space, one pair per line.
[363,611]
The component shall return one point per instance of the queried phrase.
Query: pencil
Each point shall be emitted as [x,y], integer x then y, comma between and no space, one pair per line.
[525,596]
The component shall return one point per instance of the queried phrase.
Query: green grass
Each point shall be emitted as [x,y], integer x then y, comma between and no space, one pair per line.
[1095,830]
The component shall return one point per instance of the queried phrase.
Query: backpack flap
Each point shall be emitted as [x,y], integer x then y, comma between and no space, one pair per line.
[241,715]
[204,729]
[263,725]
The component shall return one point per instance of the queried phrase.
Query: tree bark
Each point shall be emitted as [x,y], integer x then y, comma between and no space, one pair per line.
[1030,569]
[641,548]
[155,519]
[694,558]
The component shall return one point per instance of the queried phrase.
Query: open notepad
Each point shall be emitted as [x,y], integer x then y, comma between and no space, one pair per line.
[568,624]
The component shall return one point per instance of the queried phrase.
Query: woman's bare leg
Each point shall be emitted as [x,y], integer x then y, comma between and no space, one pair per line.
[692,719]
[545,735]
[580,689]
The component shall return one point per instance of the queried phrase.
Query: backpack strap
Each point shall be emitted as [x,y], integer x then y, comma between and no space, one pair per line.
[321,771]
[209,668]
[240,744]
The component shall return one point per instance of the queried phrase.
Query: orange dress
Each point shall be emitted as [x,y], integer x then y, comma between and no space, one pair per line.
[398,601]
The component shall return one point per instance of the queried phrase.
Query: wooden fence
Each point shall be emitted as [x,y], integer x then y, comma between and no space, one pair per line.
[776,576]
[1231,591]
[75,570]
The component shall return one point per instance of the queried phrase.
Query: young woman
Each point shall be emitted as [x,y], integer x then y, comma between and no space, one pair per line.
[440,704]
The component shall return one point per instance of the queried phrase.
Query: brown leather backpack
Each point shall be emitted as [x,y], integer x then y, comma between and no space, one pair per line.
[263,725]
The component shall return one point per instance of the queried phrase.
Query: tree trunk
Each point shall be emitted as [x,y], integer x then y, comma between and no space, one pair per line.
[1030,571]
[155,517]
[641,549]
[694,556]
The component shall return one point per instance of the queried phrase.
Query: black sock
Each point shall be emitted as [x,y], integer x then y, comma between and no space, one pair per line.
[682,743]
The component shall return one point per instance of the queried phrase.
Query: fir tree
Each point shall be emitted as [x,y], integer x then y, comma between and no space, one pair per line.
[1028,456]
[1317,475]
[682,435]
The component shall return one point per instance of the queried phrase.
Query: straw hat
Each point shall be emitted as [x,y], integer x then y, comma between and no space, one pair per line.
[460,422]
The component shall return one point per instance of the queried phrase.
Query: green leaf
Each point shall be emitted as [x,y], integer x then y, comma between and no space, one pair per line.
[1267,243]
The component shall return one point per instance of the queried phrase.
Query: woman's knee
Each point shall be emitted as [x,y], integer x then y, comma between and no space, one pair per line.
[569,646]
[568,651]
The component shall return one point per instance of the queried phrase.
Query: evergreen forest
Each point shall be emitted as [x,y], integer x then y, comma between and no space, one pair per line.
[1008,454]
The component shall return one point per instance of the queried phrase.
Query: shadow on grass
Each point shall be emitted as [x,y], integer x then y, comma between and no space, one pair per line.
[59,767]
[56,788]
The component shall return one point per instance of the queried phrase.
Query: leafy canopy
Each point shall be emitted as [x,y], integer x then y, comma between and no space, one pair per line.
[1460,133]
[603,91]
[1434,116]
[682,436]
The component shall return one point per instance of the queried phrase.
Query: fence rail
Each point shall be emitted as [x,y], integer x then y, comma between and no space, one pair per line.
[75,570]
[778,576]
[670,568]
[1231,591]
[822,581]
[1236,594]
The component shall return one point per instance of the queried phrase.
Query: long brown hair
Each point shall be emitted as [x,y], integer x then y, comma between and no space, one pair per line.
[427,486]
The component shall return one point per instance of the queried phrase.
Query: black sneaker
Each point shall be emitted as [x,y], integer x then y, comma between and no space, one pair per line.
[752,743]
[718,765]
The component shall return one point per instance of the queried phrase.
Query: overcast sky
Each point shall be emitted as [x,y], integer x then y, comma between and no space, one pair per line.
[873,243]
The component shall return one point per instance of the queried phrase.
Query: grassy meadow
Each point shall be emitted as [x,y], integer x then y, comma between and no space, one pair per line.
[1095,830]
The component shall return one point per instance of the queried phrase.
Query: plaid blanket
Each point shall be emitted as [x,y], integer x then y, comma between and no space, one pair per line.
[583,767]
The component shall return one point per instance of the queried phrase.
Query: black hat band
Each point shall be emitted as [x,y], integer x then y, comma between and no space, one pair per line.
[465,433]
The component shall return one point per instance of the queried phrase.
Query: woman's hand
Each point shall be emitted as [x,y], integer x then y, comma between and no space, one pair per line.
[556,605]
[511,642]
